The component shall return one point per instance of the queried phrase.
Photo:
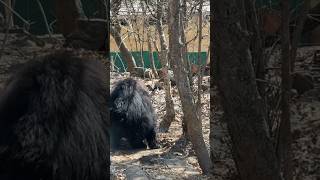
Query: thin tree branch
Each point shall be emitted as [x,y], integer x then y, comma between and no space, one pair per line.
[44,18]
[16,13]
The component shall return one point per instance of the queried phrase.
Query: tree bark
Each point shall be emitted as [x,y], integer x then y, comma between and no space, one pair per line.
[115,32]
[253,151]
[163,56]
[184,25]
[78,30]
[199,58]
[153,66]
[8,14]
[67,13]
[187,63]
[194,124]
[256,44]
[285,139]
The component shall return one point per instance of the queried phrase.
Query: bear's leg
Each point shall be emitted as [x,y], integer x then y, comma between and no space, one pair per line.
[136,142]
[151,139]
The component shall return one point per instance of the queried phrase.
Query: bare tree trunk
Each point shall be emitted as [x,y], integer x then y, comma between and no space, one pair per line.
[78,30]
[106,43]
[68,12]
[256,44]
[141,38]
[253,151]
[153,66]
[199,58]
[194,124]
[187,64]
[115,32]
[285,139]
[8,14]
[213,95]
[163,56]
[184,22]
[257,49]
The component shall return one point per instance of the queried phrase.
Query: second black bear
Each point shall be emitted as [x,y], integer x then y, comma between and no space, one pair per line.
[132,115]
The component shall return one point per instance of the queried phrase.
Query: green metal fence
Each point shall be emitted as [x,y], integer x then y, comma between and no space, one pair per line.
[121,65]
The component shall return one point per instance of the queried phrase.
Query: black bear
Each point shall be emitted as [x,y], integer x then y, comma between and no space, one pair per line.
[132,115]
[53,120]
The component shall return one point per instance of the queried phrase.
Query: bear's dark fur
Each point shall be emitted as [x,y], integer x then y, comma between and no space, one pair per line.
[132,115]
[54,119]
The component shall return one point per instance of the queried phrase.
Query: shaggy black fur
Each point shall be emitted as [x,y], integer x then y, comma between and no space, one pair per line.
[132,115]
[53,121]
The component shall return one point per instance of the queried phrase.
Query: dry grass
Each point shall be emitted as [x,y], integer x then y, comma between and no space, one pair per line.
[131,39]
